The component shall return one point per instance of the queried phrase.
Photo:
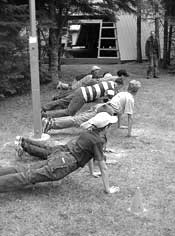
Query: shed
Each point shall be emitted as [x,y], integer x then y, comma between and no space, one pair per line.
[109,41]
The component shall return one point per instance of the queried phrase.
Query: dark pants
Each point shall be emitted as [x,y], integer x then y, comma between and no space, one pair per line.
[153,65]
[58,104]
[63,94]
[75,104]
[59,164]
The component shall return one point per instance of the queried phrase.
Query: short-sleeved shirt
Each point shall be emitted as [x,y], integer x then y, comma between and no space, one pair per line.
[89,145]
[90,93]
[123,103]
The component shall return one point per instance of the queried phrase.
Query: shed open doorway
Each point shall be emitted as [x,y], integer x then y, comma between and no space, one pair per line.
[83,41]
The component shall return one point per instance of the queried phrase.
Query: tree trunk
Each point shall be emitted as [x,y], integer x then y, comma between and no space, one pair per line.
[53,43]
[59,53]
[49,50]
[53,54]
[62,22]
[139,32]
[169,44]
[165,47]
[157,20]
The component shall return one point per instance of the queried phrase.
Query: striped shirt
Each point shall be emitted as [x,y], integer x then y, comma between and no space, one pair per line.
[90,93]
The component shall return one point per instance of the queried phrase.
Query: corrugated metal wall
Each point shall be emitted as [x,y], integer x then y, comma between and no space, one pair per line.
[127,36]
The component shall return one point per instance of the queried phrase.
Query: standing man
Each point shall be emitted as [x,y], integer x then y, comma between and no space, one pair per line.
[152,51]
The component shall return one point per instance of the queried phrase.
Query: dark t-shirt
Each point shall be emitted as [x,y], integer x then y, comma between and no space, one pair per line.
[88,145]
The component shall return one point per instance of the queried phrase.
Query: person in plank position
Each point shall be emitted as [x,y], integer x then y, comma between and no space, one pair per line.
[123,103]
[76,120]
[59,161]
[81,96]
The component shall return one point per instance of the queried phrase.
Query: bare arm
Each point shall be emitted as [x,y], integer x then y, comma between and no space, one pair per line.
[130,121]
[129,127]
[95,174]
[119,120]
[104,174]
[91,166]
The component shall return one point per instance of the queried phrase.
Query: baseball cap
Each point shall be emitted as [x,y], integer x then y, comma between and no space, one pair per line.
[100,120]
[134,85]
[95,68]
[122,72]
[107,75]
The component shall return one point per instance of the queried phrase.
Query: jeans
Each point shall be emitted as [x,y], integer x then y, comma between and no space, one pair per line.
[63,94]
[72,121]
[58,104]
[153,65]
[76,102]
[59,164]
[62,122]
[41,149]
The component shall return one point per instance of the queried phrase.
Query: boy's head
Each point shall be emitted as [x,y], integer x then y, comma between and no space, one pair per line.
[134,86]
[95,71]
[122,73]
[107,75]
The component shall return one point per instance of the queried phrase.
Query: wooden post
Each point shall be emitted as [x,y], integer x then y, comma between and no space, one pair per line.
[34,70]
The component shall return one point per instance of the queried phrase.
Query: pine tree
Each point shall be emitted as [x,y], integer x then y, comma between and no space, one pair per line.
[139,31]
[12,18]
[169,6]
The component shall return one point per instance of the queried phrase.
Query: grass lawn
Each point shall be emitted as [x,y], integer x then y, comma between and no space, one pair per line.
[77,205]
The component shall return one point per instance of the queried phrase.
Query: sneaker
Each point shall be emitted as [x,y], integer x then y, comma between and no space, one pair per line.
[156,76]
[18,140]
[58,85]
[18,146]
[46,124]
[62,85]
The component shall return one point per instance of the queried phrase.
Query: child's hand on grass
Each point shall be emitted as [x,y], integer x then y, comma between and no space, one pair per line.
[113,189]
[96,174]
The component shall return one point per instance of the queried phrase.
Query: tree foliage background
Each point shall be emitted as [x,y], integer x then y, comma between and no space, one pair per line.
[13,17]
[54,15]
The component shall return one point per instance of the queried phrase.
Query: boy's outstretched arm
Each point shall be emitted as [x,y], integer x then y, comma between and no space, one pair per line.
[104,174]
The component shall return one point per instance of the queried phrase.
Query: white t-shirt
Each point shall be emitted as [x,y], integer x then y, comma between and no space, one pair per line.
[123,103]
